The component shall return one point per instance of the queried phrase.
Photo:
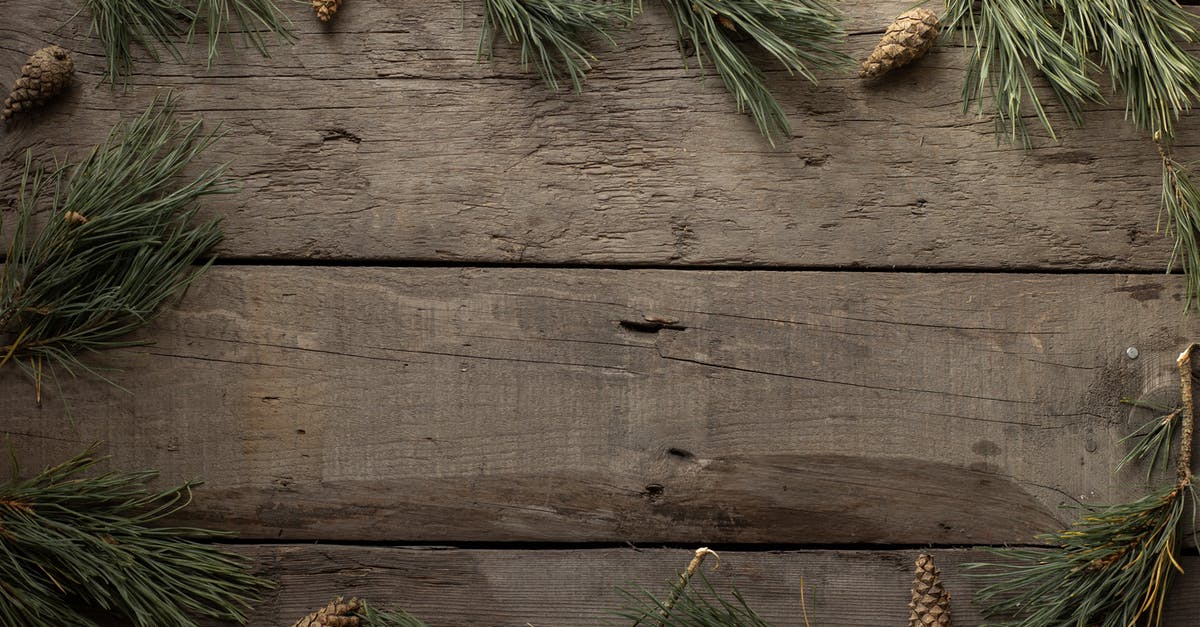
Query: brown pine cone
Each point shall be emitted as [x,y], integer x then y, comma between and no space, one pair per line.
[336,614]
[45,75]
[906,40]
[326,8]
[930,605]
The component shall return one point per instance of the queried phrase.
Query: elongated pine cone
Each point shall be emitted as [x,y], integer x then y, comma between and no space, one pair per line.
[338,613]
[930,605]
[906,40]
[326,8]
[45,75]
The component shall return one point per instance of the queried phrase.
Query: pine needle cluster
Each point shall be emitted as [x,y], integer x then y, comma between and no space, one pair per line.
[1139,43]
[551,33]
[801,35]
[117,241]
[1115,565]
[1181,208]
[156,25]
[1112,568]
[75,545]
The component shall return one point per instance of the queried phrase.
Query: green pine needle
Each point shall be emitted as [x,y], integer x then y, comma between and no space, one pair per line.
[117,242]
[1140,43]
[1153,438]
[75,545]
[689,607]
[1001,37]
[552,33]
[801,35]
[155,25]
[1181,208]
[1113,568]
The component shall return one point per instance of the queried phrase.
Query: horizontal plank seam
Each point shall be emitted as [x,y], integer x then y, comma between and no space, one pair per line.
[602,546]
[899,269]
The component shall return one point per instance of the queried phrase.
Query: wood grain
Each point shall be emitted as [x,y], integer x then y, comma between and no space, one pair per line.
[382,137]
[541,405]
[578,587]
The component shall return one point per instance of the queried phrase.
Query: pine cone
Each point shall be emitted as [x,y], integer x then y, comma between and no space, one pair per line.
[45,75]
[930,605]
[336,614]
[906,40]
[326,8]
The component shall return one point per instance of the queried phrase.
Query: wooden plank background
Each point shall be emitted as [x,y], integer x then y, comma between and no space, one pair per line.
[427,323]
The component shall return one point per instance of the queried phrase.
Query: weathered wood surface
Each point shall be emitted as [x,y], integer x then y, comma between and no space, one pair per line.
[512,404]
[578,587]
[381,137]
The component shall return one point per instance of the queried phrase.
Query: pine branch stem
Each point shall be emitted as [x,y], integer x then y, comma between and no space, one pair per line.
[685,577]
[12,348]
[1184,362]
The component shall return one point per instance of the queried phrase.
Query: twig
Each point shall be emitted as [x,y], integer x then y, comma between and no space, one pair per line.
[685,576]
[1189,414]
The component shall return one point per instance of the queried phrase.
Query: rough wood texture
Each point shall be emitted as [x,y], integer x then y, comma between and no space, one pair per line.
[578,587]
[381,137]
[526,404]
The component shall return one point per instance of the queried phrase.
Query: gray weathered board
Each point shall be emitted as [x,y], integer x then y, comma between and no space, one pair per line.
[348,403]
[512,404]
[382,137]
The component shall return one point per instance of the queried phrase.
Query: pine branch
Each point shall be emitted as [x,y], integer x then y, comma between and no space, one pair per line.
[1112,568]
[1001,37]
[74,545]
[1140,42]
[1153,440]
[552,33]
[684,606]
[1181,207]
[800,34]
[117,242]
[155,25]
[1115,565]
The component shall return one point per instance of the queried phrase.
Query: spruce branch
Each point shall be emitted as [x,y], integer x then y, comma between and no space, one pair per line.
[74,545]
[117,242]
[156,25]
[552,33]
[1115,565]
[801,35]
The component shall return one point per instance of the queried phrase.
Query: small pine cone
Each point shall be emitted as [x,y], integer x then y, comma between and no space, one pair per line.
[336,614]
[930,605]
[906,40]
[45,75]
[326,8]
